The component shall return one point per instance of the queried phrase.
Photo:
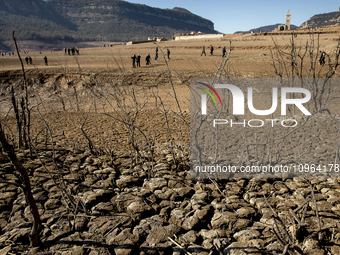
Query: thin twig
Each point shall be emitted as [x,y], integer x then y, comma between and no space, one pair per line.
[179,246]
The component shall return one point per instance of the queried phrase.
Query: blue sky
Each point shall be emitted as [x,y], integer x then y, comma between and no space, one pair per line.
[239,15]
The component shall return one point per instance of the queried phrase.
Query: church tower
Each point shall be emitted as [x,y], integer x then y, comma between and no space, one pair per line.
[288,21]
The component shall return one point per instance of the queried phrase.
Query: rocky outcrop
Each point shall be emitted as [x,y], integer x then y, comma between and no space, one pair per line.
[321,20]
[81,20]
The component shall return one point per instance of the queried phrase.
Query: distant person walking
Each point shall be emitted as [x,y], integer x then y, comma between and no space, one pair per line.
[156,50]
[156,56]
[138,60]
[322,58]
[211,50]
[26,59]
[45,59]
[133,61]
[223,52]
[148,58]
[203,51]
[168,52]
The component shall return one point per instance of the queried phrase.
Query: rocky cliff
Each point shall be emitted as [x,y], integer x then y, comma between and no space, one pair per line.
[84,20]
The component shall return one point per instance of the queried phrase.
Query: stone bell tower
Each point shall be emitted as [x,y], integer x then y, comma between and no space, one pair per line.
[288,21]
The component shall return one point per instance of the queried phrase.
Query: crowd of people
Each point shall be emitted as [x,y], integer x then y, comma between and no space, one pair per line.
[321,59]
[4,53]
[224,50]
[136,58]
[71,51]
[29,60]
[67,51]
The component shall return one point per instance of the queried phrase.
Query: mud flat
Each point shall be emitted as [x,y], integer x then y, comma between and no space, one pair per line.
[110,167]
